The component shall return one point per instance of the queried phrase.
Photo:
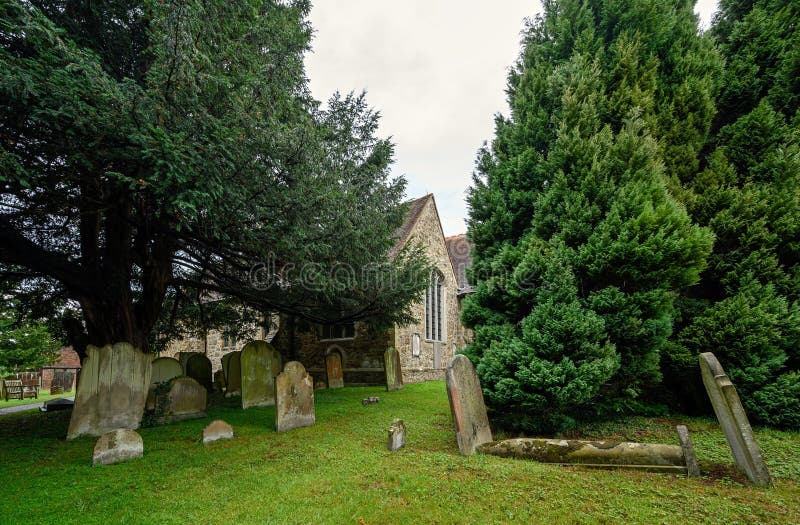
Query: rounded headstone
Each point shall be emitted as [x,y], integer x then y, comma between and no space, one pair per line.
[294,398]
[216,430]
[260,363]
[187,399]
[117,446]
[164,369]
[198,367]
[232,366]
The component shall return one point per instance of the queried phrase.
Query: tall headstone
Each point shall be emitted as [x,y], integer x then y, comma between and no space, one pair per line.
[232,366]
[117,446]
[112,390]
[260,364]
[164,369]
[466,404]
[733,420]
[333,367]
[187,400]
[294,398]
[394,375]
[198,367]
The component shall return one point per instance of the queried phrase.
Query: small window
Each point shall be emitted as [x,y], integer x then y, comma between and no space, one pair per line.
[434,308]
[338,331]
[228,341]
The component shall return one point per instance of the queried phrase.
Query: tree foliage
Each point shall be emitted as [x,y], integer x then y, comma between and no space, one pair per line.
[152,149]
[24,344]
[580,243]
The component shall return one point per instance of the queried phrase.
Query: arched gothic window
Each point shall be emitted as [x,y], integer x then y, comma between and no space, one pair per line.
[435,299]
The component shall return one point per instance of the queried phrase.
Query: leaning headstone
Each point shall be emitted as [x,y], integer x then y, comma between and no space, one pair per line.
[466,404]
[692,466]
[294,398]
[397,435]
[394,375]
[733,420]
[112,390]
[187,400]
[333,367]
[260,364]
[198,367]
[216,430]
[232,366]
[117,446]
[164,369]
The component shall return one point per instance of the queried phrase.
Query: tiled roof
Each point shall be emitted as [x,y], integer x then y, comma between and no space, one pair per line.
[414,211]
[460,250]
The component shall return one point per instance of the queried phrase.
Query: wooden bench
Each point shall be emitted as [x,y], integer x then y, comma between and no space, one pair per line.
[15,388]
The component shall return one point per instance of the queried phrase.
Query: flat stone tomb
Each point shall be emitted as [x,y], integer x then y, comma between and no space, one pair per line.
[333,367]
[733,420]
[112,390]
[294,398]
[466,405]
[394,374]
[260,364]
[117,446]
[198,367]
[604,454]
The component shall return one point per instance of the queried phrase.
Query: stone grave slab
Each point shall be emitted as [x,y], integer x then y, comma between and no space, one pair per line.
[260,364]
[397,435]
[198,367]
[466,405]
[733,420]
[217,430]
[294,398]
[117,446]
[112,390]
[394,374]
[333,367]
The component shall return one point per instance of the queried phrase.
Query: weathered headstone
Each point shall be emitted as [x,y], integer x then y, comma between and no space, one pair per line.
[117,446]
[692,466]
[164,369]
[294,398]
[394,375]
[232,366]
[466,404]
[112,390]
[187,400]
[397,435]
[183,358]
[260,364]
[733,420]
[198,367]
[216,430]
[333,366]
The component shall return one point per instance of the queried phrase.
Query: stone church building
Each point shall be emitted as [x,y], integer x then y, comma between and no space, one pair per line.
[425,346]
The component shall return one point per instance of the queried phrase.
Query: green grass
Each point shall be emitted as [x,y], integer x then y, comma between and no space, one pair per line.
[44,395]
[339,471]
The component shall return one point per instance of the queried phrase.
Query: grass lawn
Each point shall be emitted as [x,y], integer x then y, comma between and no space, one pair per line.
[44,395]
[339,471]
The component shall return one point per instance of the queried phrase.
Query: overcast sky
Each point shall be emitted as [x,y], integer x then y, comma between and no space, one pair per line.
[436,70]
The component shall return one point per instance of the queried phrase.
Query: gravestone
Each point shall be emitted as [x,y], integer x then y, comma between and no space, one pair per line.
[183,358]
[333,366]
[186,400]
[216,430]
[466,404]
[117,446]
[112,390]
[733,420]
[391,364]
[260,363]
[164,369]
[232,366]
[198,367]
[294,398]
[692,466]
[397,435]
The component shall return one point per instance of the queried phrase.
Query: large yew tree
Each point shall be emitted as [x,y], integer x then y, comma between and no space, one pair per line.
[153,147]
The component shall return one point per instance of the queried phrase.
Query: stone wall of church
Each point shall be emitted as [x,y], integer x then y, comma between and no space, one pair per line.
[213,345]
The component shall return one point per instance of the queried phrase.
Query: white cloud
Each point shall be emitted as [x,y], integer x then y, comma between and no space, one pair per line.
[436,70]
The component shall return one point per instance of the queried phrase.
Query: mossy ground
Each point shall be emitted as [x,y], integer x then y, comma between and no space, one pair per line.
[339,471]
